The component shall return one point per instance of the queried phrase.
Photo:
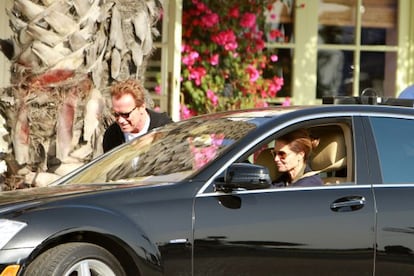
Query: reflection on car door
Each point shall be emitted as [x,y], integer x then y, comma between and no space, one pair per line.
[285,232]
[394,194]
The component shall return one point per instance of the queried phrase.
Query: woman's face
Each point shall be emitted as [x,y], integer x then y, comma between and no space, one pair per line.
[286,159]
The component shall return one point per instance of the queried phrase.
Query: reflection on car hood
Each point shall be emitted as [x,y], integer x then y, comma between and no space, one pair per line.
[54,191]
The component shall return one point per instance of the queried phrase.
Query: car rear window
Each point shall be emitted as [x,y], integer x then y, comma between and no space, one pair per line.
[395,144]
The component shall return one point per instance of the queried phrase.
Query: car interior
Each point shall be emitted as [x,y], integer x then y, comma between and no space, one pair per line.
[332,158]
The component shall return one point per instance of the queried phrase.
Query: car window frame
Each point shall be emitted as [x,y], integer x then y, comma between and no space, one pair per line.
[308,121]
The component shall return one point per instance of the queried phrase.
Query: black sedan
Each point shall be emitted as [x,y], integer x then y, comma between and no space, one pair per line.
[195,198]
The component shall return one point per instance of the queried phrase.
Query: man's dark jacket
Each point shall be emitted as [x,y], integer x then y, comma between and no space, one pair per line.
[114,136]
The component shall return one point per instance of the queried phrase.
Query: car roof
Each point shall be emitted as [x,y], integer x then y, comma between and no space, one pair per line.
[276,111]
[329,104]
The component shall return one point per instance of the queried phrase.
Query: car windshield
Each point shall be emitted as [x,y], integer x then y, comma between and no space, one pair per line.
[170,153]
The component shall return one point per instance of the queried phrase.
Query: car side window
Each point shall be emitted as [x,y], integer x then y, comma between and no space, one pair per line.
[332,158]
[395,148]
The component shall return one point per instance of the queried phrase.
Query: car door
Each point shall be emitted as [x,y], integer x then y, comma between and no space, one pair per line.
[325,230]
[393,139]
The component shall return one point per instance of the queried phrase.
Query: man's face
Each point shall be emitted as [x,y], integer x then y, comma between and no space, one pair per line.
[128,116]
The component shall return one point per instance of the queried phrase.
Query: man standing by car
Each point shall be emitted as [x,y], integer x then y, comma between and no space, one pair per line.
[132,117]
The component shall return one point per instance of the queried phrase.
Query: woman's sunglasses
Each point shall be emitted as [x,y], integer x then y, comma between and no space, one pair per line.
[280,154]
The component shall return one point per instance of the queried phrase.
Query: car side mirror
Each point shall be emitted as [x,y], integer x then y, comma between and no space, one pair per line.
[243,176]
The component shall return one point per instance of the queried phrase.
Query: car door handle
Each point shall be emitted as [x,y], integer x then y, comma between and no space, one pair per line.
[348,204]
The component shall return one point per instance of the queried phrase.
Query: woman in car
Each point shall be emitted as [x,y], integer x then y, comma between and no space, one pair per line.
[291,153]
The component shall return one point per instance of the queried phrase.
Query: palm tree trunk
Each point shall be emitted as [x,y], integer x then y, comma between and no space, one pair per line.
[64,55]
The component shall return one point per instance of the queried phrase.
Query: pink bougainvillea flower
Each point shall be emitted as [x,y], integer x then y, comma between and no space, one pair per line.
[272,90]
[210,20]
[185,112]
[190,59]
[234,12]
[197,22]
[286,102]
[197,74]
[201,6]
[260,44]
[157,89]
[253,73]
[207,151]
[274,58]
[214,59]
[227,39]
[248,20]
[194,55]
[263,64]
[231,46]
[184,48]
[278,82]
[274,86]
[261,103]
[275,34]
[212,97]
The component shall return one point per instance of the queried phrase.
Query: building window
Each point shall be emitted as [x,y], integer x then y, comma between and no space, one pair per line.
[356,45]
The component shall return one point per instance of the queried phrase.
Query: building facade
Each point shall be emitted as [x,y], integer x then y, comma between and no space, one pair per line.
[328,47]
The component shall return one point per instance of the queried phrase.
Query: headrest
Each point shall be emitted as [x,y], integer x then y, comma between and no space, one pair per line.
[265,158]
[330,154]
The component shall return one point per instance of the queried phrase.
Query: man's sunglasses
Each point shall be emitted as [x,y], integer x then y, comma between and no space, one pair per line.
[124,115]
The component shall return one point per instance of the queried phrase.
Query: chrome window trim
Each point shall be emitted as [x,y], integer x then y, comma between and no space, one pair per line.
[398,185]
[288,189]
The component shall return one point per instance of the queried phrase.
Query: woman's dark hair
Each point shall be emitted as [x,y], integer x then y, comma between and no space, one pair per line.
[300,140]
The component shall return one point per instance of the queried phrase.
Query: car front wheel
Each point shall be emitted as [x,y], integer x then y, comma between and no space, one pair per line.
[75,259]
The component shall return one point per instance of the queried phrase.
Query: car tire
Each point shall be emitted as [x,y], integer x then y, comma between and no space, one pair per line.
[74,259]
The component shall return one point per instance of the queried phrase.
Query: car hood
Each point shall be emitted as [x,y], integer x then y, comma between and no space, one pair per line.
[38,193]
